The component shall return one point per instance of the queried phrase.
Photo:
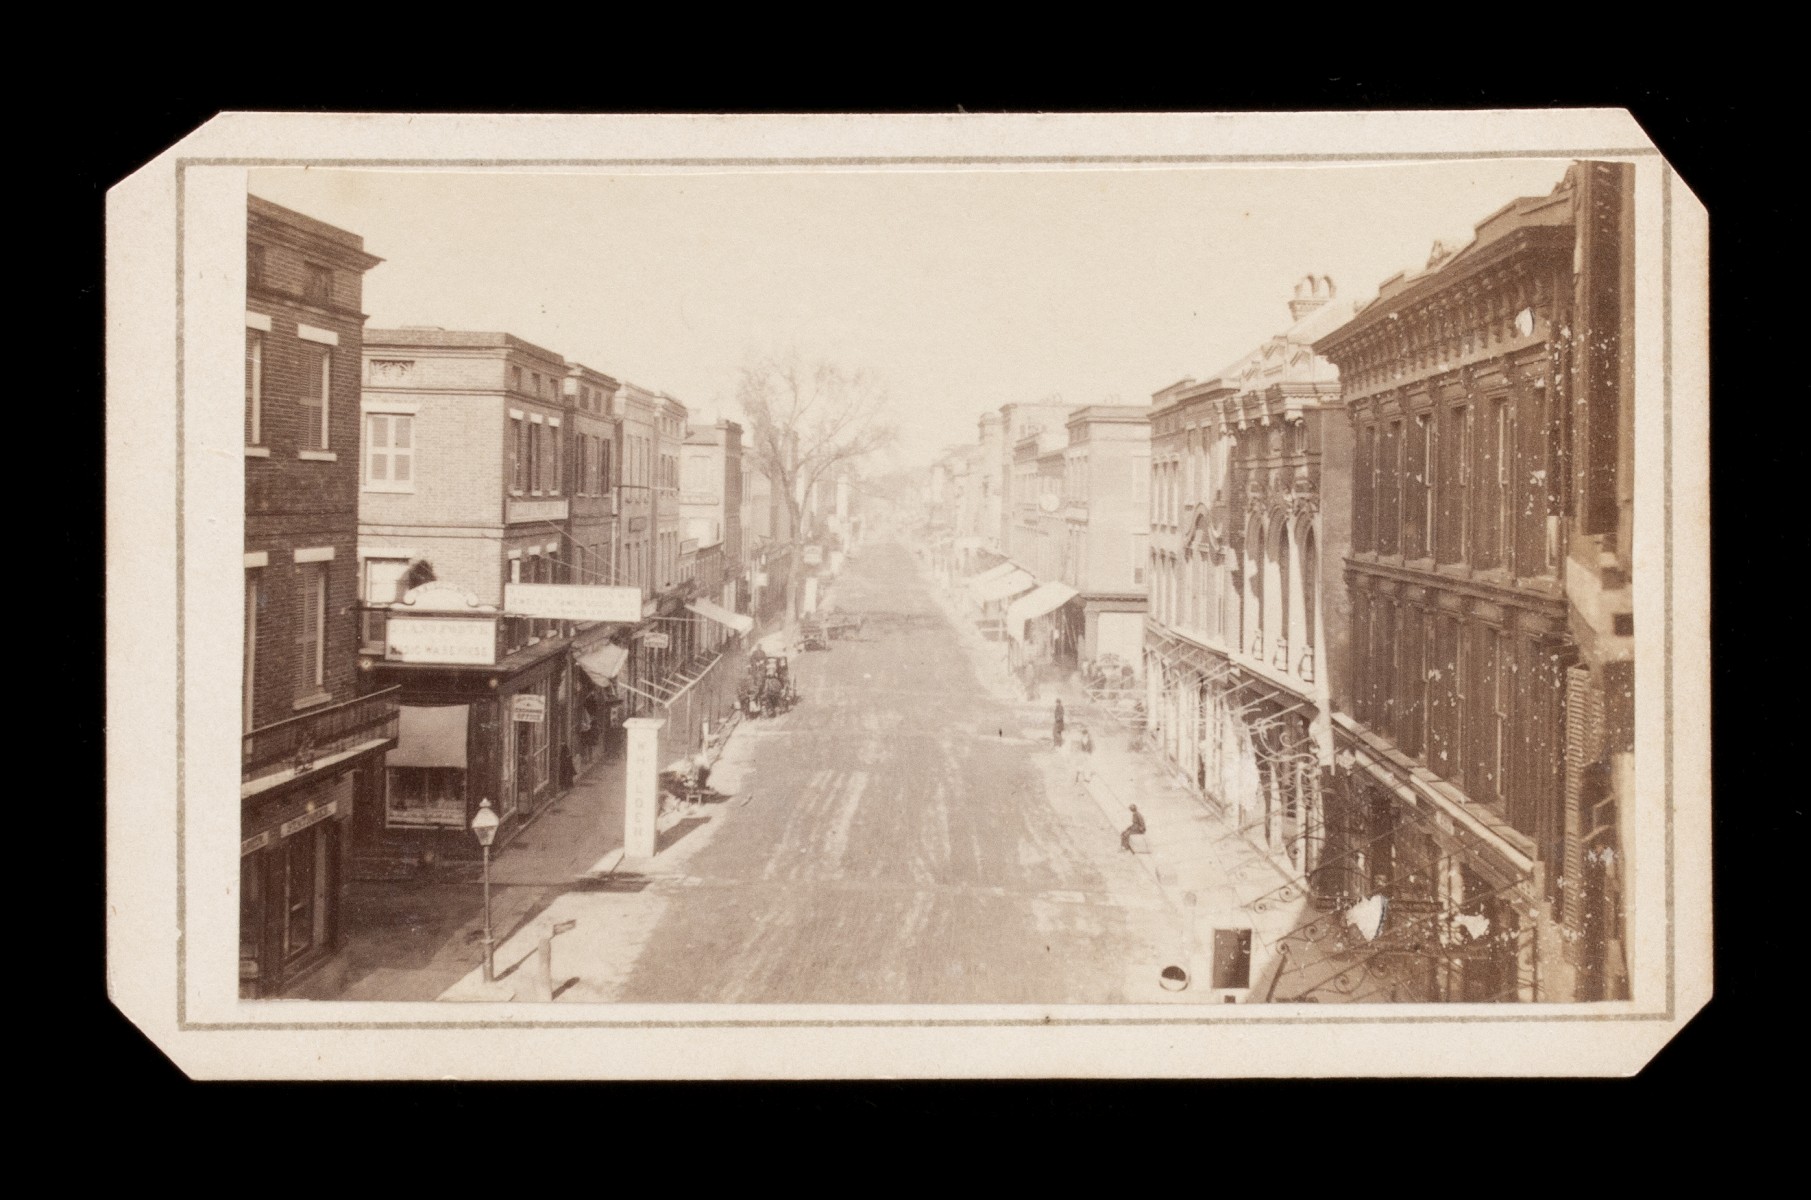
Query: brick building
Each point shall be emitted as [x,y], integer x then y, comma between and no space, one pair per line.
[1102,532]
[1485,724]
[595,716]
[313,745]
[710,502]
[466,490]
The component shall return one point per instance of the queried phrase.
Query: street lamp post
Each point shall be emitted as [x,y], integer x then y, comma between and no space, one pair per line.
[484,828]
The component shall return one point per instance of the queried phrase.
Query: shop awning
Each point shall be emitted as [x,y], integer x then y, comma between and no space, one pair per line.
[1046,599]
[430,737]
[721,615]
[997,571]
[1010,584]
[604,664]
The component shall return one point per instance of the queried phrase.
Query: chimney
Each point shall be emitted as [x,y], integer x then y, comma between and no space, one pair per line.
[1312,292]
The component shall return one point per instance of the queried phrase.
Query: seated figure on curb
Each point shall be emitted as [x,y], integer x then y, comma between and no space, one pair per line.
[1137,826]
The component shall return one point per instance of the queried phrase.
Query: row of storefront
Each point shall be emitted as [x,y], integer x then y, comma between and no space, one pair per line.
[519,732]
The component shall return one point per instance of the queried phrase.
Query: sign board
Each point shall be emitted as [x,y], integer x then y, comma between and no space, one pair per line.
[814,555]
[528,707]
[760,579]
[255,844]
[536,510]
[572,602]
[656,641]
[641,787]
[302,822]
[425,639]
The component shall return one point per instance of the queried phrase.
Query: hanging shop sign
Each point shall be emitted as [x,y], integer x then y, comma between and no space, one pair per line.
[814,555]
[572,602]
[528,707]
[656,641]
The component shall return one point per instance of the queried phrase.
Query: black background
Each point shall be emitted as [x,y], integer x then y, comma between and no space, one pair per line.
[1709,134]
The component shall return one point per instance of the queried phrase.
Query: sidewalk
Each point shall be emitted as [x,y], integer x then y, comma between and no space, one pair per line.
[1206,867]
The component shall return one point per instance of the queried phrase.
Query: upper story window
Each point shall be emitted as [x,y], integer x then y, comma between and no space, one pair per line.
[316,397]
[317,284]
[515,379]
[389,452]
[254,265]
[518,454]
[254,387]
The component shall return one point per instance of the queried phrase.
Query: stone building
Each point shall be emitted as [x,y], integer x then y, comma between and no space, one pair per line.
[1247,521]
[1485,728]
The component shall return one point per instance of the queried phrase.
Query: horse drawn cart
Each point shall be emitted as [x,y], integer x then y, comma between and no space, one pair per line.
[766,689]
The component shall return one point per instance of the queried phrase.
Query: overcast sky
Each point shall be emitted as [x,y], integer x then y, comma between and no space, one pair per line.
[964,290]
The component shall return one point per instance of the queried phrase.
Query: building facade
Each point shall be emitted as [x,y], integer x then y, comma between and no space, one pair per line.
[1481,743]
[1239,617]
[594,718]
[1045,420]
[1102,529]
[313,739]
[484,502]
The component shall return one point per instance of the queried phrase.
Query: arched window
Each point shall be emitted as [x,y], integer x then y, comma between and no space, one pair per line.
[1279,568]
[1305,663]
[1254,587]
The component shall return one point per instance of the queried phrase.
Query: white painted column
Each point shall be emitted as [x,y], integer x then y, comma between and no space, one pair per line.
[641,786]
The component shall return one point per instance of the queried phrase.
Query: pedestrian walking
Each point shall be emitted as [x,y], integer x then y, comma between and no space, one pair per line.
[1084,743]
[1137,826]
[1056,735]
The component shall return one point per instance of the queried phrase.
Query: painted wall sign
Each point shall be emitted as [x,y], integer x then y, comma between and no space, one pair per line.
[656,641]
[528,707]
[536,510]
[298,824]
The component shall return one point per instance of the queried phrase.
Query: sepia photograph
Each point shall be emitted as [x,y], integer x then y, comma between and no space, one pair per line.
[813,590]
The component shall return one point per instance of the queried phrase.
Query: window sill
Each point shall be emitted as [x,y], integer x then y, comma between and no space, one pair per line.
[317,456]
[389,491]
[314,701]
[257,452]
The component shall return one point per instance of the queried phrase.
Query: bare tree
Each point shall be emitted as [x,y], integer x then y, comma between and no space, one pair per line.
[808,421]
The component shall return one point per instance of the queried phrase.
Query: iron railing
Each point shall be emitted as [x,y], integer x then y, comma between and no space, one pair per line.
[301,741]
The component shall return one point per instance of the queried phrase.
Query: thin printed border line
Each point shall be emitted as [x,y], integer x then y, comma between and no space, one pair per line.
[927,159]
[184,1025]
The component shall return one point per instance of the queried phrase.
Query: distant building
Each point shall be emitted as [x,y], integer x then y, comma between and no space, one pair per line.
[1046,419]
[313,745]
[710,500]
[592,438]
[1102,523]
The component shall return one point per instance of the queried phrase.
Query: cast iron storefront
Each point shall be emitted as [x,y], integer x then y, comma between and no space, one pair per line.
[1415,899]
